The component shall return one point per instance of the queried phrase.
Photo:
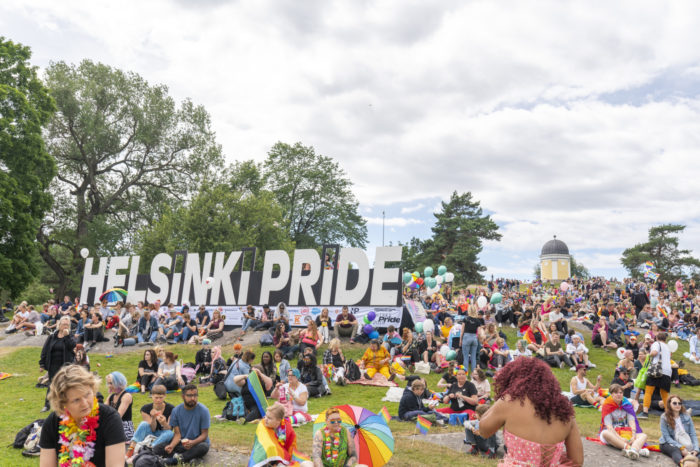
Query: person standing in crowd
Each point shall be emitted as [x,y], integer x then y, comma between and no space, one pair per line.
[156,421]
[678,436]
[79,428]
[659,354]
[469,342]
[58,350]
[345,324]
[333,446]
[121,401]
[538,420]
[190,424]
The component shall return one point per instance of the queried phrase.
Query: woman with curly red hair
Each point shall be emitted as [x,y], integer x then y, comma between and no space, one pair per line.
[539,425]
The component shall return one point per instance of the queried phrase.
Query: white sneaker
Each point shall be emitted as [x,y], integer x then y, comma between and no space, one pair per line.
[591,365]
[631,454]
[500,325]
[644,452]
[512,325]
[573,368]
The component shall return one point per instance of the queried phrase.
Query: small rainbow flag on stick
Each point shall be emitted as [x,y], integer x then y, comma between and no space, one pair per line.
[649,265]
[385,414]
[423,425]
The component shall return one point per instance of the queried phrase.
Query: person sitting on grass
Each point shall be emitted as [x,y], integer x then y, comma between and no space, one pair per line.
[376,360]
[334,356]
[578,352]
[623,379]
[618,418]
[148,370]
[324,323]
[554,355]
[539,423]
[521,350]
[121,401]
[462,395]
[601,335]
[312,376]
[678,436]
[190,423]
[252,409]
[282,341]
[311,337]
[411,404]
[281,365]
[275,429]
[218,368]
[585,393]
[169,373]
[473,437]
[345,324]
[156,418]
[482,385]
[293,394]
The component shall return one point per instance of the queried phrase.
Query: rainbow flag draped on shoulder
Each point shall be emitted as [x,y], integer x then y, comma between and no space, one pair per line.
[278,445]
[610,406]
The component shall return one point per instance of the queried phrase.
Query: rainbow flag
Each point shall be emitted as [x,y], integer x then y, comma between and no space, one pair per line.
[385,414]
[255,388]
[662,311]
[423,425]
[609,406]
[649,265]
[267,447]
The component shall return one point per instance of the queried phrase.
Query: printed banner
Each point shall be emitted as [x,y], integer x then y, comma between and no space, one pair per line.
[415,307]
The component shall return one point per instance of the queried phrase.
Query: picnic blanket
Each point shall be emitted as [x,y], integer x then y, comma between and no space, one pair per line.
[625,433]
[4,375]
[393,394]
[377,380]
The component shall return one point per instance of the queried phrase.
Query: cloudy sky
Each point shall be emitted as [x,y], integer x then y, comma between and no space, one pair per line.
[580,119]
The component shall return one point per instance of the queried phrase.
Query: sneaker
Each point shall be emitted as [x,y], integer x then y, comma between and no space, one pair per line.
[631,454]
[573,368]
[643,415]
[142,344]
[644,452]
[178,457]
[440,422]
[591,365]
[490,454]
[28,333]
[500,325]
[561,365]
[512,325]
[44,409]
[474,451]
[33,452]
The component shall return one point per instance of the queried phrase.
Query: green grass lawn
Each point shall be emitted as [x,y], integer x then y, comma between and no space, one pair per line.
[21,401]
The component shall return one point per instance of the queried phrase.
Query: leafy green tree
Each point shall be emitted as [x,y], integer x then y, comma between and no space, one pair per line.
[458,233]
[661,248]
[125,152]
[26,168]
[218,219]
[316,196]
[412,256]
[579,270]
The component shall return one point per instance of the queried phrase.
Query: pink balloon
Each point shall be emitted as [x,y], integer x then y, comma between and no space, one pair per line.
[564,286]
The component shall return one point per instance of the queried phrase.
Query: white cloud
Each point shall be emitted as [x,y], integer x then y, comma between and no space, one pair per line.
[413,208]
[557,116]
[393,221]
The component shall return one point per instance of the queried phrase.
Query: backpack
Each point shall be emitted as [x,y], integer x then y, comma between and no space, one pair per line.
[689,380]
[266,339]
[220,390]
[187,373]
[233,371]
[234,409]
[147,458]
[24,433]
[352,371]
[32,440]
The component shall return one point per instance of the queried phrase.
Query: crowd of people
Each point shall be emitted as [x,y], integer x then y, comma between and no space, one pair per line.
[460,338]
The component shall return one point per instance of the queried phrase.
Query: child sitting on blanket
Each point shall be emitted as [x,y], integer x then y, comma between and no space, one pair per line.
[488,446]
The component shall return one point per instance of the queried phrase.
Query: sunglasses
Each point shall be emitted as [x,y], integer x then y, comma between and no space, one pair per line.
[676,403]
[334,422]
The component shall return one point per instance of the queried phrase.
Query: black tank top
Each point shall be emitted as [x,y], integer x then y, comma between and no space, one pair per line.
[115,406]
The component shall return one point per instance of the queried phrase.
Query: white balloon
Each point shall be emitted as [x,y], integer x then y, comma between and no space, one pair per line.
[672,346]
[428,325]
[209,282]
[621,352]
[439,279]
[449,277]
[84,252]
[481,301]
[444,350]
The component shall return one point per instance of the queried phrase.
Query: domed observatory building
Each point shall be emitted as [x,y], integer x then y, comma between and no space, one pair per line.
[555,261]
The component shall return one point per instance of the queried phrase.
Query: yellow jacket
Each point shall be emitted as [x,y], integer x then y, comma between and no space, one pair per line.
[372,359]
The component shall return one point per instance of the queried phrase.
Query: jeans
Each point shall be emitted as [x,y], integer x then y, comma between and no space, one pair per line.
[144,429]
[427,414]
[470,348]
[186,334]
[151,338]
[483,444]
[250,323]
[672,452]
[195,452]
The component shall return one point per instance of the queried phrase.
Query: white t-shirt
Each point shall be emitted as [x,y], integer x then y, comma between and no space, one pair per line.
[665,356]
[571,348]
[682,436]
[301,389]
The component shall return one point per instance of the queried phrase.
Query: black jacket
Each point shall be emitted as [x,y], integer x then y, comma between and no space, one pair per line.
[68,351]
[409,402]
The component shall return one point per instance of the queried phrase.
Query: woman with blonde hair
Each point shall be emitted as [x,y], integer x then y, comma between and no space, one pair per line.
[275,429]
[310,337]
[324,323]
[335,358]
[80,430]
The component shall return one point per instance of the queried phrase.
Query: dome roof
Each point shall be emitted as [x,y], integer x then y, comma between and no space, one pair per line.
[555,247]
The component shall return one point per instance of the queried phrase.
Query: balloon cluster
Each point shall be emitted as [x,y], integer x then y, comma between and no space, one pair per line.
[368,328]
[432,284]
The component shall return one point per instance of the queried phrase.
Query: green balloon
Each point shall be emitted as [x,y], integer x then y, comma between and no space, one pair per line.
[416,273]
[442,270]
[366,320]
[419,327]
[431,281]
[428,271]
[451,355]
[407,278]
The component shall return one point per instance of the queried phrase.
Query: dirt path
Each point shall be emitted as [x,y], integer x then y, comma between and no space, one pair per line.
[593,454]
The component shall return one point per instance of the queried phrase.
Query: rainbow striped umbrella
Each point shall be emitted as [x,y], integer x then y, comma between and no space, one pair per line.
[374,442]
[114,295]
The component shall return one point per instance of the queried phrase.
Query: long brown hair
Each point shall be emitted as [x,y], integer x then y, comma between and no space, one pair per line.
[668,412]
